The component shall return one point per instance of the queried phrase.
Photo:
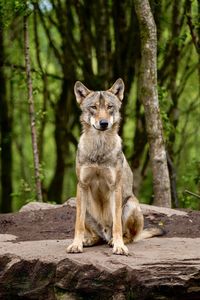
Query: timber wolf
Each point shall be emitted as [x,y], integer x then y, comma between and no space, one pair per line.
[107,209]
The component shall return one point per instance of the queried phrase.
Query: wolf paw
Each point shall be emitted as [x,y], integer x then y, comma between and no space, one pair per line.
[120,249]
[87,242]
[75,248]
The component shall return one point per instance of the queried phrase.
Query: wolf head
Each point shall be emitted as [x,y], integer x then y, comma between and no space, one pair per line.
[100,109]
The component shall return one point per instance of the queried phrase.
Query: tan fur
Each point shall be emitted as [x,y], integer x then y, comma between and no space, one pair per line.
[107,210]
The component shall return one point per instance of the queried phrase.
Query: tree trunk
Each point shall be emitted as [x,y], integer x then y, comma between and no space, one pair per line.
[6,138]
[56,186]
[126,49]
[139,143]
[103,49]
[64,121]
[32,113]
[173,89]
[149,98]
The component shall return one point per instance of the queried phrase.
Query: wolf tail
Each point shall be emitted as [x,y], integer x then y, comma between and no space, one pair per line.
[150,232]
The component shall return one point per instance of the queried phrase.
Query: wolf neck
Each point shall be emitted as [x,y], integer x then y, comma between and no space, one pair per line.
[99,146]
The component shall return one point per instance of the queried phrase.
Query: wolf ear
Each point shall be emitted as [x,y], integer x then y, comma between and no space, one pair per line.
[80,91]
[118,89]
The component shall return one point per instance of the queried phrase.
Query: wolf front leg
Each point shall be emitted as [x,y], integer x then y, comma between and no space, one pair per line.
[116,203]
[77,245]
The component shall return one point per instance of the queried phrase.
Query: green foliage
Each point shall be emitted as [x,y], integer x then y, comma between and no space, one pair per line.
[24,194]
[190,181]
[146,193]
[129,126]
[12,8]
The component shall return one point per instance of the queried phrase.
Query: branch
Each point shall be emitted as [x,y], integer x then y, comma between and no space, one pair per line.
[87,40]
[37,41]
[102,38]
[191,193]
[172,173]
[22,68]
[186,74]
[191,26]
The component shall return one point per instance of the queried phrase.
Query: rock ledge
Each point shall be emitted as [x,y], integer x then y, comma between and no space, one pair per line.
[157,268]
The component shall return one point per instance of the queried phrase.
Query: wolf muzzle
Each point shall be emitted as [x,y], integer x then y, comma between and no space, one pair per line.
[103,124]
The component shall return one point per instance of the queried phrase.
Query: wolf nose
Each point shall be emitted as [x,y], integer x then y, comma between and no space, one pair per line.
[103,124]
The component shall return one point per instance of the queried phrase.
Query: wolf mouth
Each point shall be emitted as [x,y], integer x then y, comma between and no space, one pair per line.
[100,129]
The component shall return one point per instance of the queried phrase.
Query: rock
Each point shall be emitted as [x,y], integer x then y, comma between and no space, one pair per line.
[165,267]
[146,209]
[7,237]
[32,206]
[71,202]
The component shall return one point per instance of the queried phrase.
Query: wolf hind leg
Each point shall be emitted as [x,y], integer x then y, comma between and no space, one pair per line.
[91,238]
[132,220]
[92,232]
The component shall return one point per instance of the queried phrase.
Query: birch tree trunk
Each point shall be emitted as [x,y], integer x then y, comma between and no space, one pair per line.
[32,112]
[149,97]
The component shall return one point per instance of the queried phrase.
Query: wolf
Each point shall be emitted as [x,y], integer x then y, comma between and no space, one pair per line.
[107,209]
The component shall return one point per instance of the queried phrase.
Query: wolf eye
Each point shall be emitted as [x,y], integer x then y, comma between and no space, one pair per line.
[93,107]
[110,106]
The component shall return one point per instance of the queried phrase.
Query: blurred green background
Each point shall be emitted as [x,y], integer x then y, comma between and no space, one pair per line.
[95,42]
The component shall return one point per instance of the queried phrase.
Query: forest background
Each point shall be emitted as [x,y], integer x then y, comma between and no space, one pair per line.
[95,42]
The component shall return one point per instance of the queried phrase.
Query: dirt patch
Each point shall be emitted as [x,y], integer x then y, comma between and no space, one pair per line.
[177,226]
[50,224]
[58,223]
